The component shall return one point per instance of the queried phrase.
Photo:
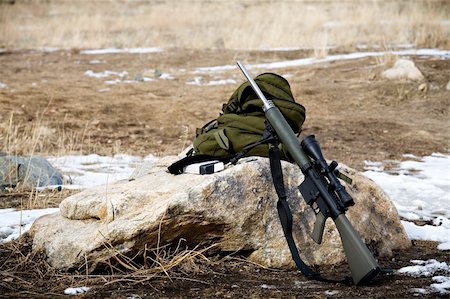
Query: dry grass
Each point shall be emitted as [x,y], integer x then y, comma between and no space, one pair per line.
[41,136]
[29,139]
[243,24]
[16,258]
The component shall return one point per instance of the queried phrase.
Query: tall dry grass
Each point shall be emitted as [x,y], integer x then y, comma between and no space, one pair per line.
[241,24]
[41,136]
[30,139]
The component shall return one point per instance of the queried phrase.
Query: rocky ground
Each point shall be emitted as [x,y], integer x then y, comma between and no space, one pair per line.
[53,105]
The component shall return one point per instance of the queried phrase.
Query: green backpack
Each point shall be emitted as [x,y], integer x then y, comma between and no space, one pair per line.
[242,122]
[241,127]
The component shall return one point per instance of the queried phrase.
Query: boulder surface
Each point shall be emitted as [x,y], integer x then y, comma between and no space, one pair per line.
[234,208]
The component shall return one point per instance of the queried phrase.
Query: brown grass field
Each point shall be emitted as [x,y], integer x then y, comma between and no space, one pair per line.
[49,106]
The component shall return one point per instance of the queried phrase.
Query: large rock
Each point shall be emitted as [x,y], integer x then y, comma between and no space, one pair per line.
[403,69]
[29,172]
[235,208]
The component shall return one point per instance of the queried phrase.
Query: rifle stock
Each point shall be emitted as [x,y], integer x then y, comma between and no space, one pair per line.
[321,190]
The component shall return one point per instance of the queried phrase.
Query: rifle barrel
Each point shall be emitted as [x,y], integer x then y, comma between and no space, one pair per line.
[267,103]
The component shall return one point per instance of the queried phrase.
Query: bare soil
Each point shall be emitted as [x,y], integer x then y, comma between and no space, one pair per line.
[355,113]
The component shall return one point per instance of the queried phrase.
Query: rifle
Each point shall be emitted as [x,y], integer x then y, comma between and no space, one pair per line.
[321,190]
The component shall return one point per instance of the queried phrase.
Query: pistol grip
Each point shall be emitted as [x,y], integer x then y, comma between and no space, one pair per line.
[319,227]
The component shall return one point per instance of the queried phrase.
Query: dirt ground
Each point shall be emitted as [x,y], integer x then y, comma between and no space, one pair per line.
[54,108]
[355,114]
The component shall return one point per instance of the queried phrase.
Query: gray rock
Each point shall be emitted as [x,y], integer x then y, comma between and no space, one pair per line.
[234,208]
[28,172]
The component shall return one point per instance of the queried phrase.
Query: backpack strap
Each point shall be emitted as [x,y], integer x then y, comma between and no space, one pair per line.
[285,214]
[178,166]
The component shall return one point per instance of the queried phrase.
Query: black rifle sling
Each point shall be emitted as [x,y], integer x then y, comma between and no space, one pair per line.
[285,214]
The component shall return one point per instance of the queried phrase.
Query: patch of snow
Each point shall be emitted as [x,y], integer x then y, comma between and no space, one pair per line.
[420,190]
[212,69]
[166,76]
[267,286]
[120,51]
[96,61]
[76,291]
[3,85]
[443,284]
[331,292]
[94,170]
[116,81]
[105,74]
[421,187]
[428,269]
[13,223]
[425,268]
[429,232]
[199,81]
[222,82]
[330,58]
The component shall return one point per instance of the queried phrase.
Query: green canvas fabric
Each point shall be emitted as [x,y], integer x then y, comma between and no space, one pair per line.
[242,121]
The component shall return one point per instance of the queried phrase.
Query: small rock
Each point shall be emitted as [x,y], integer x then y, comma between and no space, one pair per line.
[157,73]
[448,85]
[423,87]
[139,78]
[403,69]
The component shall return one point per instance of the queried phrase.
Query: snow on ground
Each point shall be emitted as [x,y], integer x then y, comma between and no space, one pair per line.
[94,170]
[420,189]
[121,51]
[438,271]
[76,291]
[198,80]
[14,223]
[313,60]
[121,77]
[105,74]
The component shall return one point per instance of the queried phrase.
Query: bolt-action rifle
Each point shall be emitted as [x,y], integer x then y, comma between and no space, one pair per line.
[321,190]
